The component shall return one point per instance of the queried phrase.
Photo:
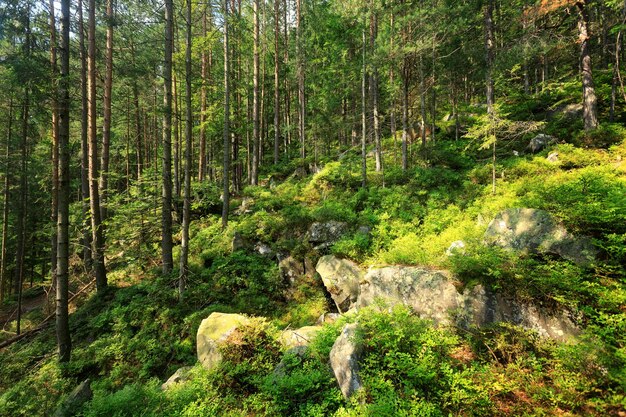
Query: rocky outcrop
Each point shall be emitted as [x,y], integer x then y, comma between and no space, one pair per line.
[214,330]
[480,307]
[341,278]
[344,360]
[434,296]
[180,376]
[73,403]
[539,142]
[429,293]
[538,232]
[324,234]
[299,337]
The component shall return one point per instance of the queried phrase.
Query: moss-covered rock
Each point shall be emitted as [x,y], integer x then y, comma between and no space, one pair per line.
[212,331]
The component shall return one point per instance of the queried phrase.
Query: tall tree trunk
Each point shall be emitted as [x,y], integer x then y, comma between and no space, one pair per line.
[106,123]
[184,248]
[276,81]
[22,208]
[202,158]
[94,195]
[254,175]
[300,74]
[363,117]
[590,101]
[374,90]
[176,118]
[5,210]
[226,132]
[84,144]
[489,46]
[405,115]
[64,342]
[55,140]
[166,201]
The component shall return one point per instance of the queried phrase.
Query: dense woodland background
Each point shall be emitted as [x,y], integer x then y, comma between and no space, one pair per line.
[138,138]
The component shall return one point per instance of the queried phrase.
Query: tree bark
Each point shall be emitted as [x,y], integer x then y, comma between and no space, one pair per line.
[106,123]
[226,131]
[7,196]
[300,74]
[62,292]
[55,139]
[202,157]
[84,144]
[276,81]
[184,249]
[254,175]
[590,101]
[94,195]
[363,118]
[166,200]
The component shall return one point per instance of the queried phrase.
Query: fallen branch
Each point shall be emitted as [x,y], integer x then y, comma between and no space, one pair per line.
[44,322]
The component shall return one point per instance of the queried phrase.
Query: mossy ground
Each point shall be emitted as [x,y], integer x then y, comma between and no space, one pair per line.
[133,337]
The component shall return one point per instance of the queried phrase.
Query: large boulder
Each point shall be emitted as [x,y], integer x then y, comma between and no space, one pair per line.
[342,278]
[434,296]
[344,360]
[429,293]
[73,403]
[180,376]
[481,307]
[299,337]
[536,231]
[539,142]
[214,330]
[325,233]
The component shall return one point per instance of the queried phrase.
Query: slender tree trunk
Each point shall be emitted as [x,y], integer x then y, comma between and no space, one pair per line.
[84,147]
[374,90]
[62,295]
[106,123]
[184,249]
[300,73]
[94,195]
[489,45]
[55,140]
[202,158]
[405,116]
[590,101]
[22,208]
[363,117]
[226,132]
[175,131]
[254,175]
[276,81]
[166,202]
[7,196]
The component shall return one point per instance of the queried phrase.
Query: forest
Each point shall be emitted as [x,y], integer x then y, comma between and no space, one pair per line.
[313,208]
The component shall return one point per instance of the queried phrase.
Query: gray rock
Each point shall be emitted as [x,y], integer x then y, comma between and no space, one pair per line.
[536,231]
[240,243]
[264,250]
[553,157]
[180,376]
[327,232]
[299,337]
[344,360]
[214,330]
[456,248]
[73,403]
[341,278]
[540,142]
[245,207]
[364,230]
[481,307]
[327,318]
[567,111]
[431,294]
